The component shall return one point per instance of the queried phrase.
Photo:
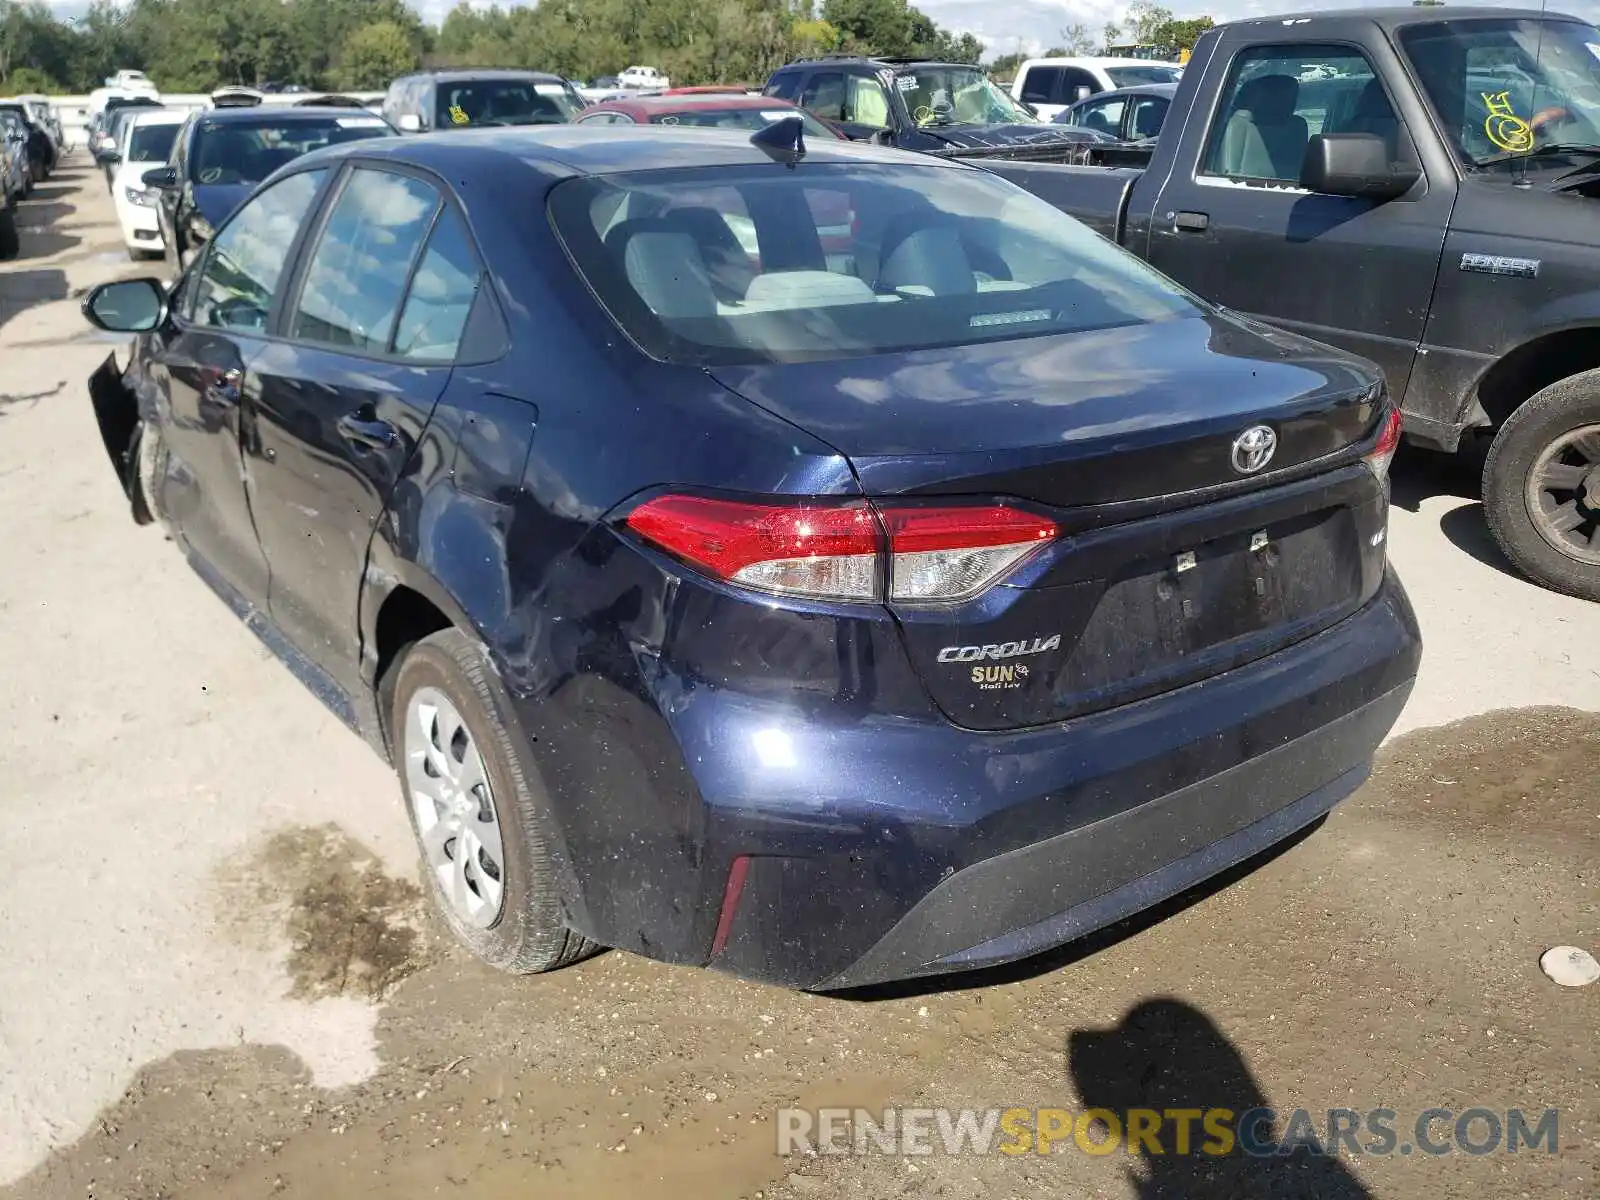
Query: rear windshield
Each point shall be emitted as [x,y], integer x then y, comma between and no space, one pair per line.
[742,117]
[725,266]
[151,143]
[505,102]
[249,151]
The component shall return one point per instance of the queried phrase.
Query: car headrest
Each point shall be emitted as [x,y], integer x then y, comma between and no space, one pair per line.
[663,263]
[1270,98]
[931,258]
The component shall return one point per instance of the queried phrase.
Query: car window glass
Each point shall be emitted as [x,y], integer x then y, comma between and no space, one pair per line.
[743,265]
[357,273]
[1103,115]
[1042,85]
[824,95]
[441,294]
[866,103]
[785,87]
[245,262]
[1279,97]
[151,143]
[1148,114]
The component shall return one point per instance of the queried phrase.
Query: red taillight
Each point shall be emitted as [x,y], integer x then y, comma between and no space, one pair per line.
[1381,455]
[802,550]
[839,551]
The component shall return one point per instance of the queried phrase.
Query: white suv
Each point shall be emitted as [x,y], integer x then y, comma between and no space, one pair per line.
[1051,84]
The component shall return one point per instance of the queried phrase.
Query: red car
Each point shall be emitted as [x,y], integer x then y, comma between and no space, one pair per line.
[714,110]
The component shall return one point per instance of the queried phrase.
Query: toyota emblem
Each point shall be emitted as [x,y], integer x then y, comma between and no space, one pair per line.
[1253,449]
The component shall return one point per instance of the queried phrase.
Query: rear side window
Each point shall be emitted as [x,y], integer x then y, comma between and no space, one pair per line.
[357,275]
[441,295]
[785,86]
[720,266]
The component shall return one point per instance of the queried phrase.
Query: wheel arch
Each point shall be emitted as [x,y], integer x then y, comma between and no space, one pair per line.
[1532,366]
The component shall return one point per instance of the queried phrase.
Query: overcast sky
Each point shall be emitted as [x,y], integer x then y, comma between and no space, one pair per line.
[1033,25]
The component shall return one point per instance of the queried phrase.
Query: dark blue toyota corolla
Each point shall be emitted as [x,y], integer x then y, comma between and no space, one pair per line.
[827,569]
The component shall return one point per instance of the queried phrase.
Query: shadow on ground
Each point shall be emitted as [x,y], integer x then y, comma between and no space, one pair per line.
[23,289]
[1422,475]
[1166,1055]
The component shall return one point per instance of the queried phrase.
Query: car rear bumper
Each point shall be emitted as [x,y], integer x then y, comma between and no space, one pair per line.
[876,850]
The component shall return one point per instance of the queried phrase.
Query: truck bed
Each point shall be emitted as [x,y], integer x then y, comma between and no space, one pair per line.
[1097,196]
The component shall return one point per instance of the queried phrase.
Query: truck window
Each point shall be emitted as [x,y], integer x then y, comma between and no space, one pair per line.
[1279,97]
[1505,87]
[824,95]
[1041,85]
[866,103]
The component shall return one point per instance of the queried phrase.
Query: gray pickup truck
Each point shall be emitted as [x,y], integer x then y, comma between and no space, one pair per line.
[1411,184]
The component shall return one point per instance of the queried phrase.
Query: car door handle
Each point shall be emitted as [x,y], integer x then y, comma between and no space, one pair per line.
[1191,222]
[362,430]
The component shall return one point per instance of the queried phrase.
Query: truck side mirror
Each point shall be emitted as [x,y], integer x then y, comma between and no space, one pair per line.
[1082,92]
[1355,165]
[410,123]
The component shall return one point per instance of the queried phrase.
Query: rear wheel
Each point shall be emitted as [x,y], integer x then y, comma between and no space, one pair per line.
[10,239]
[1541,486]
[481,820]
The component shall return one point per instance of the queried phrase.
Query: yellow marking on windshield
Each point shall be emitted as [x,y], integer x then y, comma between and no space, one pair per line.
[1503,127]
[459,115]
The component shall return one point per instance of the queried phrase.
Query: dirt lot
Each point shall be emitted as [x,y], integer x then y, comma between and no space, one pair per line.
[220,980]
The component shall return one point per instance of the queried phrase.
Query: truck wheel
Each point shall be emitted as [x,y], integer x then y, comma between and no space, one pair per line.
[1541,486]
[481,820]
[10,239]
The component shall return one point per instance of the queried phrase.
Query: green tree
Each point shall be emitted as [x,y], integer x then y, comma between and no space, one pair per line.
[1112,33]
[375,54]
[1182,35]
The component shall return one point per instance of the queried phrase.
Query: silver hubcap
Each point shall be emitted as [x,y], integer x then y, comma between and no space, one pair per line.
[454,808]
[1564,494]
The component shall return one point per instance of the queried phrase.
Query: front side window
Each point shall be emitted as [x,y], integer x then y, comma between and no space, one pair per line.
[824,95]
[1505,89]
[958,96]
[244,264]
[246,152]
[1279,97]
[357,274]
[717,266]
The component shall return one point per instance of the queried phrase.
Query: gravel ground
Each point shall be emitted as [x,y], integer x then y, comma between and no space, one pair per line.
[220,979]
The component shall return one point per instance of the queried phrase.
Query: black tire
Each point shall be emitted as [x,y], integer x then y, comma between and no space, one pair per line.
[530,935]
[10,239]
[1563,407]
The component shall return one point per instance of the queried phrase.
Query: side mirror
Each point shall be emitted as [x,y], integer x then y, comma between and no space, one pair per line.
[1355,165]
[883,137]
[1081,92]
[409,123]
[161,178]
[112,158]
[127,306]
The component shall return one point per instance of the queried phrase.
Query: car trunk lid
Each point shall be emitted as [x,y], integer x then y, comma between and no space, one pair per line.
[1205,479]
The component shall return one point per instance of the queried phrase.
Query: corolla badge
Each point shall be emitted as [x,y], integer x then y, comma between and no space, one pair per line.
[1253,449]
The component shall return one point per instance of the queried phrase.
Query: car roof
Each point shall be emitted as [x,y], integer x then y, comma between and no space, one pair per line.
[562,151]
[717,101]
[1089,60]
[255,114]
[875,63]
[159,116]
[1392,17]
[1139,89]
[458,74]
